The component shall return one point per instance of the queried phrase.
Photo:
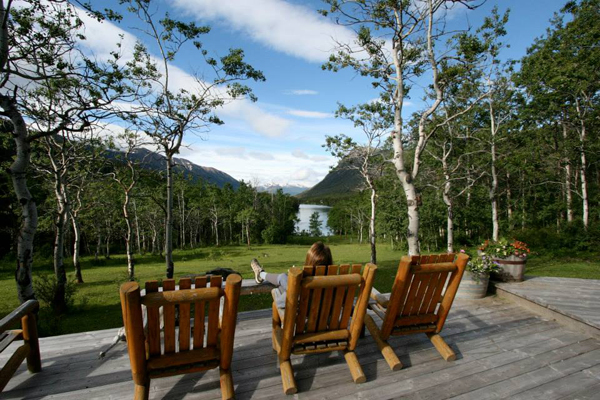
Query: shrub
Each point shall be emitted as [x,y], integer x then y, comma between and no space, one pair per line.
[46,289]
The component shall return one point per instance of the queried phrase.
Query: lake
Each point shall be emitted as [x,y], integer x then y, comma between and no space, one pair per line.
[306,211]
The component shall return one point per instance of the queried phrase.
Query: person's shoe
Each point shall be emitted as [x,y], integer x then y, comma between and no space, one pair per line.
[257,269]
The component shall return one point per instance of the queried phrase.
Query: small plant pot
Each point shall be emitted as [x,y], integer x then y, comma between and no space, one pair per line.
[512,269]
[472,288]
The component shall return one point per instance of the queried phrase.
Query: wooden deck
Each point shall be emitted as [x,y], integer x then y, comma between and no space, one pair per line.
[578,299]
[504,351]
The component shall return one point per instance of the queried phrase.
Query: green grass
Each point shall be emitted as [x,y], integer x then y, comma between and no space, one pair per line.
[97,303]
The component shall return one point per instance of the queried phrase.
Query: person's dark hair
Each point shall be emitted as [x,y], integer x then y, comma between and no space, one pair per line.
[318,254]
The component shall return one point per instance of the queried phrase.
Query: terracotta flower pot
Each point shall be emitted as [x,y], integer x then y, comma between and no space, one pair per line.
[472,288]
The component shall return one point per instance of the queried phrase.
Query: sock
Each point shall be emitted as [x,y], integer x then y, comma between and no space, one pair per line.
[262,275]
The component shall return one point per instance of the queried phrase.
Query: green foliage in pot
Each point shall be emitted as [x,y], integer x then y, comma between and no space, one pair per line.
[481,266]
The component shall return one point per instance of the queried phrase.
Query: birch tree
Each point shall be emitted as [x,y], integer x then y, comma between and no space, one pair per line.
[397,42]
[47,87]
[171,110]
[368,158]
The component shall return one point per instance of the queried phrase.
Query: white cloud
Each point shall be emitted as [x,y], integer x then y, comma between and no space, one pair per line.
[102,38]
[239,152]
[309,114]
[300,154]
[302,92]
[304,174]
[289,28]
[261,156]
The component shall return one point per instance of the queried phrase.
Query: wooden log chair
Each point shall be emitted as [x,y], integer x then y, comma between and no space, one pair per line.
[30,349]
[419,302]
[190,348]
[316,318]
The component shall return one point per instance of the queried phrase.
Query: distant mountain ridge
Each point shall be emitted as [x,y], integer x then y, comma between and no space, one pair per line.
[340,182]
[156,162]
[287,189]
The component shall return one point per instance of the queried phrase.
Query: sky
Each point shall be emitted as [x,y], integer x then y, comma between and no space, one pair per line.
[279,139]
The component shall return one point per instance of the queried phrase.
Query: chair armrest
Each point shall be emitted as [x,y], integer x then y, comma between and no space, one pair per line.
[382,299]
[28,307]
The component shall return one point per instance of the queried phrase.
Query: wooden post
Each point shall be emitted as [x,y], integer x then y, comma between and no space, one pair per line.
[360,308]
[384,347]
[226,380]
[232,296]
[358,376]
[461,263]
[291,307]
[395,298]
[132,318]
[442,347]
[287,377]
[30,336]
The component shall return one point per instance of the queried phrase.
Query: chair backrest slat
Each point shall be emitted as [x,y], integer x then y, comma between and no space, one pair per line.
[349,300]
[338,302]
[428,295]
[199,315]
[153,313]
[437,294]
[327,300]
[169,319]
[304,302]
[315,303]
[213,313]
[184,317]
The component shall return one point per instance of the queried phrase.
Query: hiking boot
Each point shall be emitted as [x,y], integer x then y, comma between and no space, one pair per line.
[257,269]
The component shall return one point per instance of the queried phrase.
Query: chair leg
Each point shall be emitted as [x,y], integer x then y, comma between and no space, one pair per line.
[227,392]
[141,392]
[442,347]
[384,347]
[358,376]
[287,377]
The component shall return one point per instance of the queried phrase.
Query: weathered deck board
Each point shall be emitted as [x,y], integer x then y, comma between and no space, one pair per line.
[578,299]
[503,351]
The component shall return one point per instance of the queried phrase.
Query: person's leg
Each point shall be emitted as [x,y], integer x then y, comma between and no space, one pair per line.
[273,279]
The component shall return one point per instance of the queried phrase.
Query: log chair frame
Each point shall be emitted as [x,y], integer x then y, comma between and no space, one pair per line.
[30,349]
[417,302]
[149,359]
[319,303]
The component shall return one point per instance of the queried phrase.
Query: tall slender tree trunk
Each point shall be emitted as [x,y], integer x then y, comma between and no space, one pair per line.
[372,233]
[137,228]
[450,215]
[494,185]
[59,302]
[509,207]
[568,184]
[29,216]
[76,247]
[128,235]
[583,177]
[169,218]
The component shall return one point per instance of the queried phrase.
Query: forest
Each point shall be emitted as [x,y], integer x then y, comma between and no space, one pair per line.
[502,148]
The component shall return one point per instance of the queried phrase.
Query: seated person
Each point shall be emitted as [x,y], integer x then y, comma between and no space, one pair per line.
[318,254]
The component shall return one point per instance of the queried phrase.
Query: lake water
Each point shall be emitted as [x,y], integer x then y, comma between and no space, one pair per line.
[306,211]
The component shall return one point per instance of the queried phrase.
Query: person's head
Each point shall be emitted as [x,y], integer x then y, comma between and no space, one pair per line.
[318,254]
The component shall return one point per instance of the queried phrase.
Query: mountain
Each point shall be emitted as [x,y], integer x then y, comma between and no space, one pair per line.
[287,189]
[340,182]
[156,162]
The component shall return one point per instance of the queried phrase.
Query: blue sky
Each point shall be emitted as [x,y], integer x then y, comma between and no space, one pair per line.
[279,139]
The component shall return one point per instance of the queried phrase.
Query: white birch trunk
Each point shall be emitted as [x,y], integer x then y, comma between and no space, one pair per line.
[169,219]
[568,184]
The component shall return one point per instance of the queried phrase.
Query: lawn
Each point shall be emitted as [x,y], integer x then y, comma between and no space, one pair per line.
[96,302]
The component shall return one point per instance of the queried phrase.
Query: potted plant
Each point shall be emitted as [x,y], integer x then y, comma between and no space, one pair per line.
[510,256]
[476,278]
